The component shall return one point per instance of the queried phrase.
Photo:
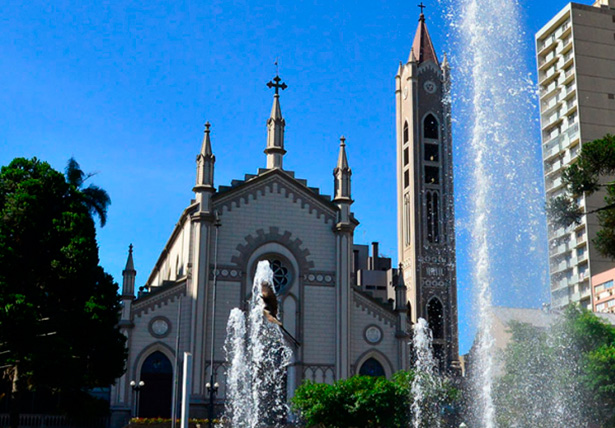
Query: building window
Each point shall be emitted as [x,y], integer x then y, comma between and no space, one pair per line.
[435,318]
[432,175]
[433,217]
[432,153]
[372,367]
[406,178]
[407,220]
[406,133]
[430,127]
[281,275]
[406,157]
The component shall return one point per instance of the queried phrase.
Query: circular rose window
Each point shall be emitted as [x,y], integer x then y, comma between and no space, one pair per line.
[281,275]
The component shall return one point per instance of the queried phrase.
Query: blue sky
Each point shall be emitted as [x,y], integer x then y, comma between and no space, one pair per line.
[125,88]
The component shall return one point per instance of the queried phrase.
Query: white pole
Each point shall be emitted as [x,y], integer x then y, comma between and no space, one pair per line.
[186,387]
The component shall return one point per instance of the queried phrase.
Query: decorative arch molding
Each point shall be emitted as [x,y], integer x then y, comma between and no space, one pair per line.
[146,352]
[253,242]
[378,356]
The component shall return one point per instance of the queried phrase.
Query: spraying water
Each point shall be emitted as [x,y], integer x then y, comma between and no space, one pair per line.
[495,97]
[257,358]
[426,382]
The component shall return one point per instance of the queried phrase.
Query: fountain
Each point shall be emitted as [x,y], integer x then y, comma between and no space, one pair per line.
[426,384]
[496,98]
[258,357]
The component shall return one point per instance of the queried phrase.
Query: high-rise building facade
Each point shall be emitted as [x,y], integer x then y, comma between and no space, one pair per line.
[425,202]
[576,74]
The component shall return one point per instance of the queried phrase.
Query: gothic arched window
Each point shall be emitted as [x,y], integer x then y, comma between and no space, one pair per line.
[430,127]
[432,206]
[372,367]
[435,318]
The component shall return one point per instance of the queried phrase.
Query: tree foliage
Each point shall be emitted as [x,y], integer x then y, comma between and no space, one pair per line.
[586,176]
[58,308]
[360,401]
[562,376]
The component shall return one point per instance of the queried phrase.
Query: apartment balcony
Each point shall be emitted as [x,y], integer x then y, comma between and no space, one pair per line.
[548,107]
[549,77]
[566,31]
[547,61]
[571,107]
[570,92]
[547,45]
[554,184]
[568,60]
[567,46]
[551,149]
[551,90]
[568,76]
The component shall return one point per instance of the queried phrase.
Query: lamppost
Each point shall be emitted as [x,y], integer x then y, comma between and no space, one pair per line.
[136,387]
[213,390]
[212,387]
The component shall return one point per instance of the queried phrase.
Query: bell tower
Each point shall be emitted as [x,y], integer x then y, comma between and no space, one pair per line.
[425,202]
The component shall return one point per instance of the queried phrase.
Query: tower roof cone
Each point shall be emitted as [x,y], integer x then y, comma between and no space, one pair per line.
[206,146]
[422,47]
[342,160]
[130,266]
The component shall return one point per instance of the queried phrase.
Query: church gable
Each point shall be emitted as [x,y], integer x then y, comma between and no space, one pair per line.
[277,181]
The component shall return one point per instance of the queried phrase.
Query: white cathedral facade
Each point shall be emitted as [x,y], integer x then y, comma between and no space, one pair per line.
[307,237]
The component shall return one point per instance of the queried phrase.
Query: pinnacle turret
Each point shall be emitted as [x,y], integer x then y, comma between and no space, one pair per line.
[129,274]
[275,128]
[342,174]
[205,161]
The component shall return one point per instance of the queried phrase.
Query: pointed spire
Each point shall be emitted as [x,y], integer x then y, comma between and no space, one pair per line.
[206,146]
[400,290]
[205,162]
[422,47]
[342,175]
[275,127]
[130,265]
[129,273]
[342,160]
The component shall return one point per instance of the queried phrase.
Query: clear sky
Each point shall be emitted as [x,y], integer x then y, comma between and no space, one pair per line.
[125,87]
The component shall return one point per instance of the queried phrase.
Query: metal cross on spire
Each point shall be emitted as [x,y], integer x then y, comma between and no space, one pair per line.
[277,85]
[422,6]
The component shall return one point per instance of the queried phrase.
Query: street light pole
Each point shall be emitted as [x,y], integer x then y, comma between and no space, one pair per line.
[212,387]
[136,387]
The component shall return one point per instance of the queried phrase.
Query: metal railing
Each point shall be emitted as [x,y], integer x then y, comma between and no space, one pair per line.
[52,421]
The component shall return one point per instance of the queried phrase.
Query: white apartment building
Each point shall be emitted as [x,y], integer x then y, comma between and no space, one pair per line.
[576,75]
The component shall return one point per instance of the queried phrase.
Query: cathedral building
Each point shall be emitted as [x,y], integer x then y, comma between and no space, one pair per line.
[347,318]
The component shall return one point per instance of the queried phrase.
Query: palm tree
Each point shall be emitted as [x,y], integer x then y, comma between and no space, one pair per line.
[95,199]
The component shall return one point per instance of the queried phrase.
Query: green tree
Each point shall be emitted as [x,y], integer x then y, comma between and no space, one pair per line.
[58,308]
[561,376]
[586,175]
[361,401]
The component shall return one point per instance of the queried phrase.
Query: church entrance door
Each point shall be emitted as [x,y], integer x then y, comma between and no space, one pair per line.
[156,396]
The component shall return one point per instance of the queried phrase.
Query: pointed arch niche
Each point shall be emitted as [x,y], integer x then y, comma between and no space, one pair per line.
[435,317]
[431,127]
[374,363]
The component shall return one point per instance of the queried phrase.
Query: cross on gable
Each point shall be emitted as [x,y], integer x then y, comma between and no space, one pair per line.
[277,85]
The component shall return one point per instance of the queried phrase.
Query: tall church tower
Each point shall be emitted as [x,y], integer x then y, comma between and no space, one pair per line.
[425,202]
